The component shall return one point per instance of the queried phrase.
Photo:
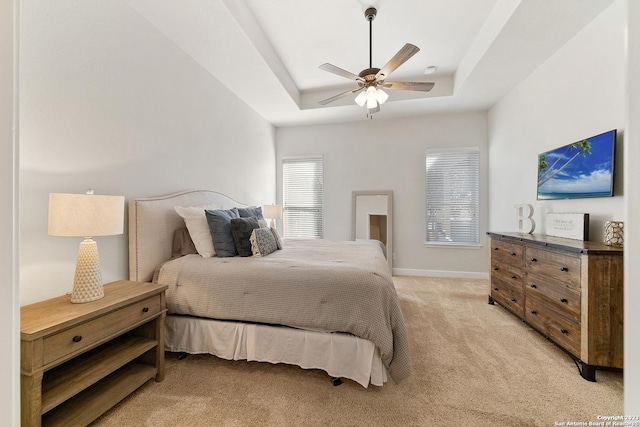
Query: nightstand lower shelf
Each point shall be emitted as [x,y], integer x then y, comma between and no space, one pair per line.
[83,408]
[69,379]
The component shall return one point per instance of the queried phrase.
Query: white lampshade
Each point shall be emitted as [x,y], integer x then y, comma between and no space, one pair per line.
[86,215]
[361,99]
[272,211]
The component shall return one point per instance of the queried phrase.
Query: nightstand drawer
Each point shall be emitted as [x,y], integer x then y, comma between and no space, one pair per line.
[79,337]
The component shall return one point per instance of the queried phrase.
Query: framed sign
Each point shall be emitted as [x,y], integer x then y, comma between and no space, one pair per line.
[568,225]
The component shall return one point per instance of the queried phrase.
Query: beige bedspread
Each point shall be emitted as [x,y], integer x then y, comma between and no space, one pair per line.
[332,286]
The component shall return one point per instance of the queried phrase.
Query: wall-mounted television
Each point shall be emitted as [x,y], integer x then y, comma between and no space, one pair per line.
[582,169]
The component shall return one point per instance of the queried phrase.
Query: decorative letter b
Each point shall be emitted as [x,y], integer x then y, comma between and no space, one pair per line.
[526,224]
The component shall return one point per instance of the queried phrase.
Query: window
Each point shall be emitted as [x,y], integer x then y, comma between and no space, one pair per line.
[302,181]
[453,202]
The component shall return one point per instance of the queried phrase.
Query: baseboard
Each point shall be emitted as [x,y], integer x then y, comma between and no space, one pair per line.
[440,273]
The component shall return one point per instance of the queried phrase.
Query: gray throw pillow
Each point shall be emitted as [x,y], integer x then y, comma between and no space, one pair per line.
[241,229]
[219,221]
[251,211]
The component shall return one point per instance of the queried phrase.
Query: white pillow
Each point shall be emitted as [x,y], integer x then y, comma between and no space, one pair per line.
[196,222]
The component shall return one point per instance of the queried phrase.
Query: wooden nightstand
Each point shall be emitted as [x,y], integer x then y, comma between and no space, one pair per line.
[79,360]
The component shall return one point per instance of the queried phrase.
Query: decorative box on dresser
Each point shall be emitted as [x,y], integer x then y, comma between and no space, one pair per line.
[570,291]
[79,360]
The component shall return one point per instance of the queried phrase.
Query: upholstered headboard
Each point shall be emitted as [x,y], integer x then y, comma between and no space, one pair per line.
[152,223]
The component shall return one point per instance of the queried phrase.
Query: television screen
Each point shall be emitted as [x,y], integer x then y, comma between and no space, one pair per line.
[581,169]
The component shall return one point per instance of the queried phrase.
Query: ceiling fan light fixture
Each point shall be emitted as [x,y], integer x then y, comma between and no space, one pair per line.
[371,78]
[371,97]
[381,96]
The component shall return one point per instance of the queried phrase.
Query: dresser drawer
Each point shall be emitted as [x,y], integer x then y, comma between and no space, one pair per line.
[560,297]
[509,295]
[86,334]
[510,253]
[559,266]
[564,332]
[507,273]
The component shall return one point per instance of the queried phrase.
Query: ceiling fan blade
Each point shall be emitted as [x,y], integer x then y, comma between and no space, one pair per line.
[340,95]
[407,51]
[420,86]
[339,71]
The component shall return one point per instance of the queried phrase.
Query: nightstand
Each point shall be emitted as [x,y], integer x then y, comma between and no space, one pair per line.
[79,360]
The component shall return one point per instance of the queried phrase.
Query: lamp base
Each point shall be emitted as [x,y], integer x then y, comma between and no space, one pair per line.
[87,283]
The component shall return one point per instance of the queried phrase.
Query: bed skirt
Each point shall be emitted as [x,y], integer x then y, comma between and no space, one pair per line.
[338,354]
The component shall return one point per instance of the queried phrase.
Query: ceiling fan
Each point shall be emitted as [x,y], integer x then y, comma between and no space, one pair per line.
[371,80]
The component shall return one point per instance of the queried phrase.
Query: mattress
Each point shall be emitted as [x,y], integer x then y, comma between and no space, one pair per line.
[315,285]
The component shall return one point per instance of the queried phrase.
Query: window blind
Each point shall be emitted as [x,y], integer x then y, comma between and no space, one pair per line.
[302,193]
[453,196]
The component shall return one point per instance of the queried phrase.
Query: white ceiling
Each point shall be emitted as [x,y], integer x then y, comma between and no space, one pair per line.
[268,52]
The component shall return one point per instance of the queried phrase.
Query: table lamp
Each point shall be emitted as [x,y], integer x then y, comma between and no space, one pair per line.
[273,212]
[86,215]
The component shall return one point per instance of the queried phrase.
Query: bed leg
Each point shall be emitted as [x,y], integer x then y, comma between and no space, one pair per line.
[336,381]
[182,356]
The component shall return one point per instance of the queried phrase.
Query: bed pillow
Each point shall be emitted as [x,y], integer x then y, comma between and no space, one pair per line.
[241,229]
[183,244]
[276,236]
[251,211]
[196,222]
[262,242]
[219,221]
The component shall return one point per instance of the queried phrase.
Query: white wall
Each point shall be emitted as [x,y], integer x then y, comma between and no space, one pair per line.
[9,320]
[579,92]
[109,103]
[389,155]
[632,228]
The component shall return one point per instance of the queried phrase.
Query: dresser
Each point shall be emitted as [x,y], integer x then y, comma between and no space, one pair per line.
[568,290]
[79,360]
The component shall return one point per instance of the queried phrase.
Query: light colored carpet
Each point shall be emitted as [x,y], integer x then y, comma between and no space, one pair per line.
[474,364]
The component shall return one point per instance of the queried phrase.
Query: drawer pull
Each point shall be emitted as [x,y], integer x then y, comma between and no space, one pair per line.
[495,249]
[564,269]
[495,269]
[535,313]
[534,286]
[513,254]
[564,300]
[496,289]
[564,331]
[145,310]
[513,300]
[77,338]
[513,277]
[534,260]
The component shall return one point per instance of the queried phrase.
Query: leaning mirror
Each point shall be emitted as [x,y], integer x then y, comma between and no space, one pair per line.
[372,219]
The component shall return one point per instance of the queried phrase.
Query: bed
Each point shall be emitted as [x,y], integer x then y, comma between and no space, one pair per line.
[316,304]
